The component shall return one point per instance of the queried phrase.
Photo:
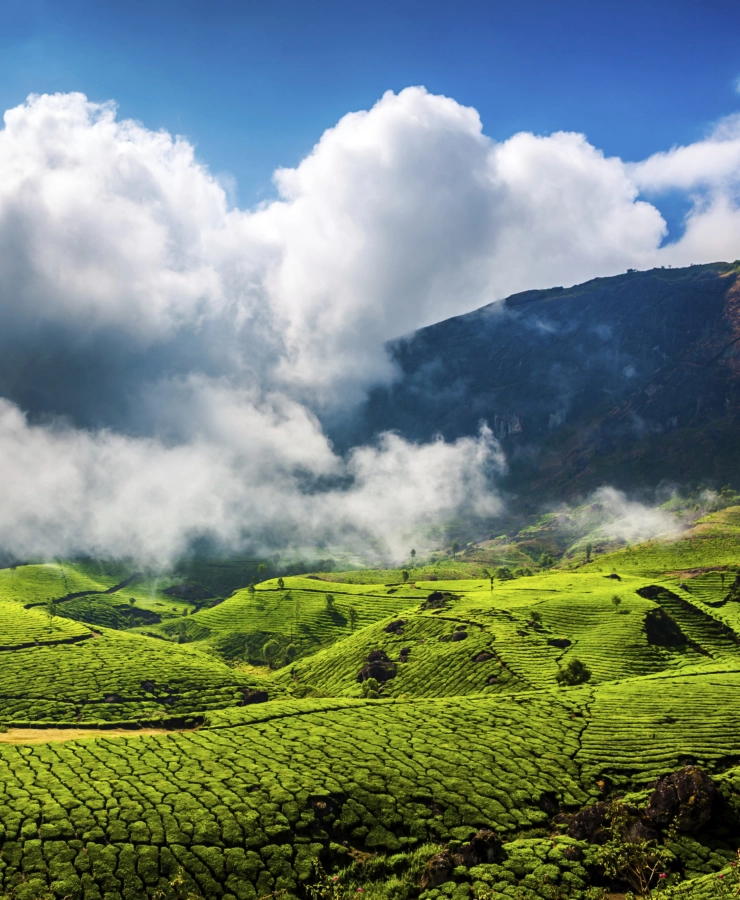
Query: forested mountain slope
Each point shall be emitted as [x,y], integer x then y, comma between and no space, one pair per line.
[631,379]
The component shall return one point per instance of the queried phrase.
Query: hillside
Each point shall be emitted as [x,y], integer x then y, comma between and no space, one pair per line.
[629,380]
[310,737]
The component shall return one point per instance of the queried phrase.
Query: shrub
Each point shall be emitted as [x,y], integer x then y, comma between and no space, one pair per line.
[575,672]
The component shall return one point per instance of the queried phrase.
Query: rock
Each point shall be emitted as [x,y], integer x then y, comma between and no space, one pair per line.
[404,654]
[573,853]
[588,822]
[438,600]
[378,667]
[687,797]
[483,656]
[438,871]
[459,636]
[548,803]
[250,696]
[395,627]
[492,680]
[483,847]
[381,672]
[640,830]
[613,576]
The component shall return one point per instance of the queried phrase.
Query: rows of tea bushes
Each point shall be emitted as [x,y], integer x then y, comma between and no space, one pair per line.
[243,810]
[641,728]
[435,665]
[714,541]
[21,627]
[114,677]
[39,582]
[518,636]
[243,805]
[302,618]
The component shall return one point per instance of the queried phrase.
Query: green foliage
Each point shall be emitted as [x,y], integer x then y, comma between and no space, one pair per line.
[639,863]
[574,672]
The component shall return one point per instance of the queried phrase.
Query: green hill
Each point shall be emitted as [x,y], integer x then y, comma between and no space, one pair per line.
[395,723]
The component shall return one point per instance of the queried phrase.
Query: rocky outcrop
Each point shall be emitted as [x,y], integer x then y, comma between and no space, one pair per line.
[377,666]
[483,847]
[686,798]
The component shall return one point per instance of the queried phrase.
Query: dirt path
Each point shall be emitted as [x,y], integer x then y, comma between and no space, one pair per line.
[46,735]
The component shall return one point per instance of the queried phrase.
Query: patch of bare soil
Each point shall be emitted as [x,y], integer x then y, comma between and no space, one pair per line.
[45,735]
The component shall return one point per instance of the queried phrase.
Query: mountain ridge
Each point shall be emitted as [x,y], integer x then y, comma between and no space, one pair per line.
[630,380]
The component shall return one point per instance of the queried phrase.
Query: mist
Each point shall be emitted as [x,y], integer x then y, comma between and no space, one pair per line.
[168,361]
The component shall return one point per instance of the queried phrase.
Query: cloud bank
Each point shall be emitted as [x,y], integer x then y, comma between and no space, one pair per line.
[166,359]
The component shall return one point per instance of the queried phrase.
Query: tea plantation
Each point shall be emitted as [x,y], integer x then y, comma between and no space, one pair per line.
[323,738]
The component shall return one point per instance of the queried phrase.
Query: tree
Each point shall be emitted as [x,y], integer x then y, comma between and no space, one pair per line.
[261,568]
[270,651]
[640,862]
[405,575]
[281,584]
[546,560]
[330,603]
[575,672]
[291,651]
[490,576]
[413,557]
[132,601]
[51,610]
[589,551]
[616,600]
[455,547]
[352,614]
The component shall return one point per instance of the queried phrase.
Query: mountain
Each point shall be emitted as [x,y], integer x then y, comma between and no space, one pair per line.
[632,380]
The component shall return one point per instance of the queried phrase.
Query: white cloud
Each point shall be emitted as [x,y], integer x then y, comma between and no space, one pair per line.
[67,490]
[207,338]
[630,520]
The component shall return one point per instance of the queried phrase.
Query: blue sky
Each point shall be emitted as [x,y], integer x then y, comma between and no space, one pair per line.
[253,85]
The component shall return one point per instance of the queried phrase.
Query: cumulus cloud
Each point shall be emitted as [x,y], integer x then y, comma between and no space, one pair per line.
[176,355]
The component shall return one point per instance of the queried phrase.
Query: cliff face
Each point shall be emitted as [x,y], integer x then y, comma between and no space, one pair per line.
[633,380]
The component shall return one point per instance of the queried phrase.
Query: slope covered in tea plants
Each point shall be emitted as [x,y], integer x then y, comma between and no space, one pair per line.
[510,706]
[519,635]
[243,806]
[304,615]
[113,677]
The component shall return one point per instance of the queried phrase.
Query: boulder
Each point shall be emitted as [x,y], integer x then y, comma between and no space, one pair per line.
[483,847]
[562,643]
[438,871]
[395,627]
[378,666]
[686,797]
[483,656]
[586,824]
[250,696]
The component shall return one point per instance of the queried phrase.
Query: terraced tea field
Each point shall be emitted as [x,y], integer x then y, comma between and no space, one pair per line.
[376,727]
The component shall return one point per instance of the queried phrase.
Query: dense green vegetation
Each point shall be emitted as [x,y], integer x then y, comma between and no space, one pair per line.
[322,734]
